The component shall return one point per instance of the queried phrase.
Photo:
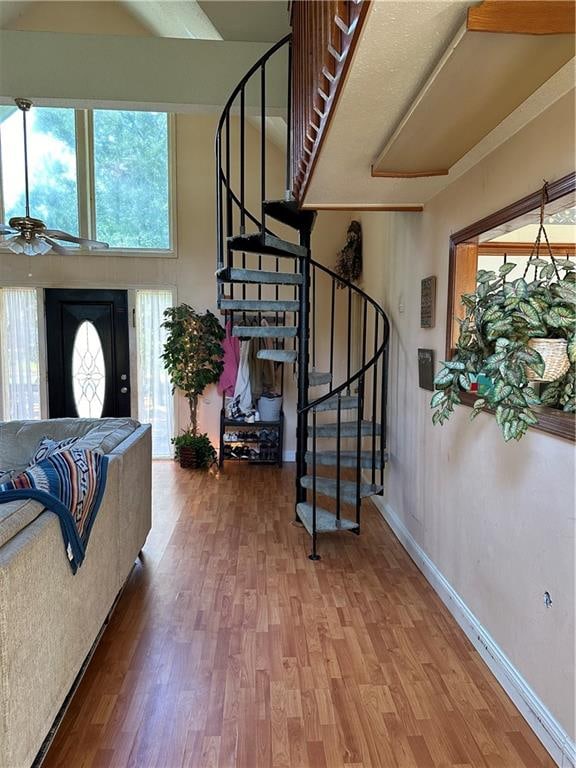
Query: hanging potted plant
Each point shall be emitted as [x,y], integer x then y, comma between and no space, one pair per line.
[193,358]
[514,335]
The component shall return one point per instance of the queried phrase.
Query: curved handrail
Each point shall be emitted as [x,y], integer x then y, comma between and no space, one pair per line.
[254,68]
[222,178]
[375,357]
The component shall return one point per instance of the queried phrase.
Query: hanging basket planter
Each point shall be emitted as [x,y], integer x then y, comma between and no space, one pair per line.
[554,354]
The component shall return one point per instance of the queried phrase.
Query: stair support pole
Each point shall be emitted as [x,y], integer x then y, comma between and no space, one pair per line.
[303,362]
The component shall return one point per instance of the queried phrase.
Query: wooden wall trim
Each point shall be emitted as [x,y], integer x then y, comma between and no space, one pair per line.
[526,17]
[376,174]
[524,249]
[531,202]
[353,207]
[550,420]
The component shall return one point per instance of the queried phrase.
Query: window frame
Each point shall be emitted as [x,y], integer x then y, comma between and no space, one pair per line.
[86,202]
[550,420]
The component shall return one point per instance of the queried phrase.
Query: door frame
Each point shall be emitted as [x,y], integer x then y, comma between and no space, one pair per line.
[114,304]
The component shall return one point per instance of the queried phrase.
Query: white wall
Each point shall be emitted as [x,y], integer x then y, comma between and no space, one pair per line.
[496,519]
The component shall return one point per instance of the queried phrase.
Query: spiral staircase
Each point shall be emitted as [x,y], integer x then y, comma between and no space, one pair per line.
[331,333]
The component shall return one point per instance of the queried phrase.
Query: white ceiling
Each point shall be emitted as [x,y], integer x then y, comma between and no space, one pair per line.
[252,20]
[401,43]
[169,18]
[11,11]
[263,21]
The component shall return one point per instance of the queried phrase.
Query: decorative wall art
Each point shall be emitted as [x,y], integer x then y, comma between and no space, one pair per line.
[428,302]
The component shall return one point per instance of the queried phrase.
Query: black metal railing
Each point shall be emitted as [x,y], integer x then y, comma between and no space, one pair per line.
[340,329]
[352,328]
[232,211]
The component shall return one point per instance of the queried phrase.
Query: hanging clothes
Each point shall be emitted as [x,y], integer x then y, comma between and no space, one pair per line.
[242,390]
[231,356]
[262,376]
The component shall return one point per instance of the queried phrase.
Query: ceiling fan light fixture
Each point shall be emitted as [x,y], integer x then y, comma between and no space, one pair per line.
[29,247]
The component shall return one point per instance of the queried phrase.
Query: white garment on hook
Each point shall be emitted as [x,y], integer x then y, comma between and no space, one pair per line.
[242,391]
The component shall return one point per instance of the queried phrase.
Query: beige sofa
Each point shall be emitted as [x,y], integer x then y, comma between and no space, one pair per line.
[50,618]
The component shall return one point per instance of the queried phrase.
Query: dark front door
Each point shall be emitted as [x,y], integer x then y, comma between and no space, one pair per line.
[88,354]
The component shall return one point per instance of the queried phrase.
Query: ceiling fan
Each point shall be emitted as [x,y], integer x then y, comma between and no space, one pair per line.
[30,236]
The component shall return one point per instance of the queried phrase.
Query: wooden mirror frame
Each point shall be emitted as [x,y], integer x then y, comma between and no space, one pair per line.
[550,420]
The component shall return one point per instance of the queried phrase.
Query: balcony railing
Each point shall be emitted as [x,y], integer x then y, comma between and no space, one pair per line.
[324,36]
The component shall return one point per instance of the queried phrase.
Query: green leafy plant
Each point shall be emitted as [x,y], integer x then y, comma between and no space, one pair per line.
[501,318]
[192,355]
[205,454]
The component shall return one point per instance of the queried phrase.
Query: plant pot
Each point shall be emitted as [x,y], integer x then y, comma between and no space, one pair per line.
[553,352]
[187,457]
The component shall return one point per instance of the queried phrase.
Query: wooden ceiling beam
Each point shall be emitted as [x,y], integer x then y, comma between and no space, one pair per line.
[377,174]
[524,17]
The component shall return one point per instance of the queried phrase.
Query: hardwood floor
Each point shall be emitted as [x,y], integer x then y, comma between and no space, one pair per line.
[230,649]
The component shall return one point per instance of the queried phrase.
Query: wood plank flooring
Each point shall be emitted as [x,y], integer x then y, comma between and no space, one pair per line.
[230,649]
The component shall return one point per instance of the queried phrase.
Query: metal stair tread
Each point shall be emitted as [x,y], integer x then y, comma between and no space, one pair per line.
[327,486]
[278,355]
[258,305]
[288,212]
[265,331]
[325,521]
[347,403]
[318,378]
[347,429]
[347,459]
[239,275]
[266,243]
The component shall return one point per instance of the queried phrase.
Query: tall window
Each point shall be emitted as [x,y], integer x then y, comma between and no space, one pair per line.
[51,166]
[155,400]
[131,179]
[20,360]
[103,175]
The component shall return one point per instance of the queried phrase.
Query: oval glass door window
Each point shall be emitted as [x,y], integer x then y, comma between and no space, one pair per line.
[88,372]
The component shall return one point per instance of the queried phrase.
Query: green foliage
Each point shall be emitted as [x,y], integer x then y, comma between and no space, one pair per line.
[192,353]
[53,192]
[131,178]
[204,450]
[500,320]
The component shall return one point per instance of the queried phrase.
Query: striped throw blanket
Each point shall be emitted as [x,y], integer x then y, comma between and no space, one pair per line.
[69,483]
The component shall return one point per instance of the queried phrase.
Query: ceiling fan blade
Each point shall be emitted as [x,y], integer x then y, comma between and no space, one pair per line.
[60,235]
[6,230]
[59,249]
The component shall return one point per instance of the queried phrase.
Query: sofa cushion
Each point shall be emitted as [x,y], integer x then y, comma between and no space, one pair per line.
[19,439]
[16,515]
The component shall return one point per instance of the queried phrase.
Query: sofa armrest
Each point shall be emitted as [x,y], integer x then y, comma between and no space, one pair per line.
[134,496]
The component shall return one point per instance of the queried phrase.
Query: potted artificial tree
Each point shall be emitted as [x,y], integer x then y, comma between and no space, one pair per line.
[193,358]
[515,334]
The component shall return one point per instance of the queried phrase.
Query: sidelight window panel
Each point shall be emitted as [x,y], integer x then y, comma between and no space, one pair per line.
[20,358]
[155,400]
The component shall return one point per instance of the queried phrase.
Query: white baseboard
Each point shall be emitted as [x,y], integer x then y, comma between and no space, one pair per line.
[554,738]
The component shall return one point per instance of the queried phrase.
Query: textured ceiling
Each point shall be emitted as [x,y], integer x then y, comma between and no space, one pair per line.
[402,41]
[264,21]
